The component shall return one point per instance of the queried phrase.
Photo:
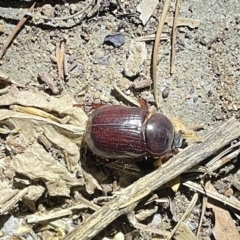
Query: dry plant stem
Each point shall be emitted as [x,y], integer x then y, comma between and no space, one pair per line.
[174,37]
[34,218]
[7,206]
[48,80]
[60,52]
[188,22]
[155,49]
[65,65]
[89,204]
[15,31]
[129,99]
[42,139]
[185,215]
[150,37]
[220,160]
[223,161]
[186,159]
[214,195]
[204,206]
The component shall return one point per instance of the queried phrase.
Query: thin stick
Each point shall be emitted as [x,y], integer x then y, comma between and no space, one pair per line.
[204,206]
[36,218]
[60,53]
[128,98]
[174,37]
[15,31]
[214,195]
[186,159]
[7,206]
[155,49]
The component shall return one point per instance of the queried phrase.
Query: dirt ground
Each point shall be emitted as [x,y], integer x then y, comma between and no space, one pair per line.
[203,90]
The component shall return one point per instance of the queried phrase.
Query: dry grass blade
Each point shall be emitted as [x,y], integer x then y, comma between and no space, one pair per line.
[174,36]
[204,206]
[128,98]
[185,215]
[188,22]
[60,52]
[155,49]
[185,160]
[15,31]
[222,158]
[36,218]
[221,198]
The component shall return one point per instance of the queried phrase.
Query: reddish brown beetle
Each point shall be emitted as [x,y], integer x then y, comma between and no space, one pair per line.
[115,132]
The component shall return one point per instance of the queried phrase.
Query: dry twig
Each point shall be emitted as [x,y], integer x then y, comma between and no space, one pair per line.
[60,52]
[174,36]
[204,206]
[8,205]
[155,49]
[15,31]
[214,195]
[48,80]
[223,158]
[128,98]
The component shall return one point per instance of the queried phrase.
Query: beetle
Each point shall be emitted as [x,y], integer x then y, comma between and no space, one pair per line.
[117,132]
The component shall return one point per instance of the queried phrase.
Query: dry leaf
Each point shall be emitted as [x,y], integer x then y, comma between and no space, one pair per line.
[90,183]
[36,163]
[44,115]
[224,228]
[175,183]
[34,193]
[65,136]
[146,9]
[63,105]
[184,233]
[186,133]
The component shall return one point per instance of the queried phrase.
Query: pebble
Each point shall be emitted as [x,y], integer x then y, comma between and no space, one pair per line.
[165,92]
[104,98]
[73,8]
[136,58]
[116,40]
[47,10]
[124,84]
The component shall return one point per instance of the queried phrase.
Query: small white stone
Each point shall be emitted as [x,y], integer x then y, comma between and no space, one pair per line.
[136,58]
